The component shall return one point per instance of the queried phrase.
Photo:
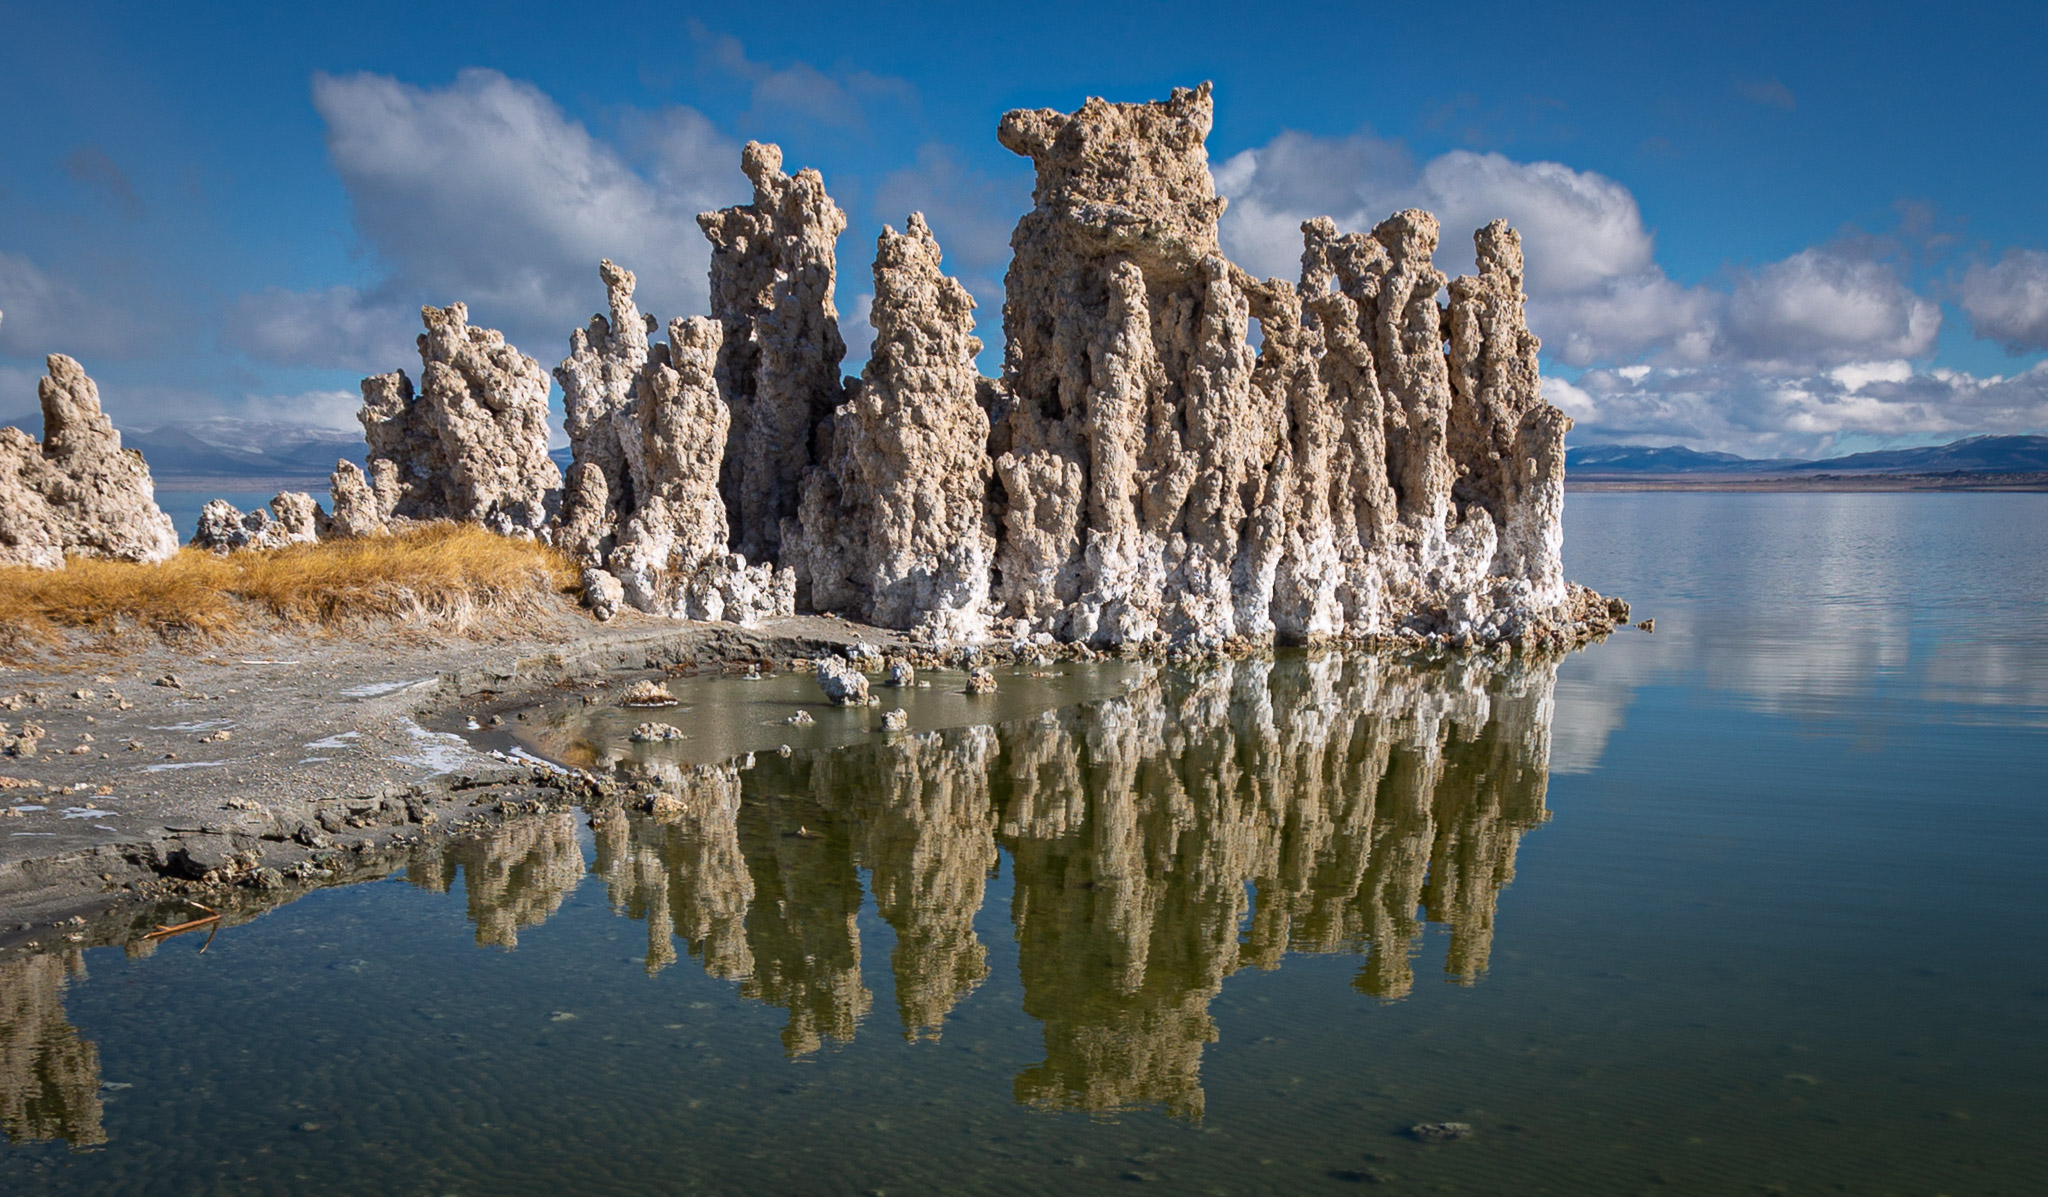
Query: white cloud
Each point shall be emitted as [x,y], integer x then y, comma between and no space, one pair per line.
[337,328]
[485,191]
[1741,363]
[2008,302]
[41,313]
[1825,307]
[1741,409]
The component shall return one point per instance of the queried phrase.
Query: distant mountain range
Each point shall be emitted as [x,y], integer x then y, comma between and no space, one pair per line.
[212,452]
[1972,455]
[199,453]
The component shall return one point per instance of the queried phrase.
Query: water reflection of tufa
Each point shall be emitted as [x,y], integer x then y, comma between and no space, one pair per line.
[516,877]
[49,1076]
[1160,841]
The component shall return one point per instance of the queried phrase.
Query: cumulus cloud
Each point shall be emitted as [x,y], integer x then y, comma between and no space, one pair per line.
[1775,354]
[339,328]
[1822,306]
[486,191]
[1760,413]
[2008,302]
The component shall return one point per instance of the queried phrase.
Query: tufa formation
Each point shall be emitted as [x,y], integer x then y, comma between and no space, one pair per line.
[78,492]
[1381,465]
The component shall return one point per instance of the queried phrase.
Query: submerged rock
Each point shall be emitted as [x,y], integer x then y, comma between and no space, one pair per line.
[657,733]
[981,680]
[648,694]
[843,684]
[77,491]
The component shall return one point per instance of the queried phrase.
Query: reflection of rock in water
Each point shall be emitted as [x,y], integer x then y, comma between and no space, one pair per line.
[1200,823]
[930,841]
[49,1077]
[513,878]
[1342,792]
[684,873]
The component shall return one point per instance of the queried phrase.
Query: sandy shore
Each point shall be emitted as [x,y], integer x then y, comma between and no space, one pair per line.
[314,756]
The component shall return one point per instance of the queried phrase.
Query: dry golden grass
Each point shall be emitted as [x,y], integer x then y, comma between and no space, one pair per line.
[455,577]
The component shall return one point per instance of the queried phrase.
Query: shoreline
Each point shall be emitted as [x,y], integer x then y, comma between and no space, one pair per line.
[287,762]
[330,754]
[2015,483]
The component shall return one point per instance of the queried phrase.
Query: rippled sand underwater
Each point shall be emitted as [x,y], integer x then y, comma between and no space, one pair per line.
[1748,904]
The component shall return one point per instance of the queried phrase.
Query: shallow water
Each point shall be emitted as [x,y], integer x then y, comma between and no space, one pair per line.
[1750,904]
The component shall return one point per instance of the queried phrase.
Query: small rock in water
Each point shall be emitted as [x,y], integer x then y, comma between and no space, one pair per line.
[842,683]
[648,694]
[1439,1132]
[981,680]
[800,718]
[657,733]
[901,673]
[896,720]
[1648,625]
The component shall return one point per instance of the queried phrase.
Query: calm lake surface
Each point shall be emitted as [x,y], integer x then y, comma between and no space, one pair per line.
[1752,904]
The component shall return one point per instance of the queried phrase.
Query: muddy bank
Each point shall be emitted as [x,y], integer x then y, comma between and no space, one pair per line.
[277,761]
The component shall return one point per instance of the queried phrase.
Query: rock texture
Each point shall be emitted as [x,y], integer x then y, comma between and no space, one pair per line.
[893,528]
[648,431]
[1357,476]
[77,491]
[471,445]
[293,518]
[600,378]
[772,271]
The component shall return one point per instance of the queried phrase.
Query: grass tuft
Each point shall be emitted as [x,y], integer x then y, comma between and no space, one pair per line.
[456,577]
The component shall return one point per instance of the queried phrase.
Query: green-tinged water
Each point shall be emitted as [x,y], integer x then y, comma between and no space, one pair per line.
[1752,904]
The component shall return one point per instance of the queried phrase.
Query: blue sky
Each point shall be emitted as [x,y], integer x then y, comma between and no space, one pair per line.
[1768,228]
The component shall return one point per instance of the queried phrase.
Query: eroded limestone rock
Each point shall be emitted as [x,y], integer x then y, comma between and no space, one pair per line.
[471,445]
[1354,477]
[843,684]
[292,518]
[671,555]
[893,528]
[600,378]
[772,270]
[77,491]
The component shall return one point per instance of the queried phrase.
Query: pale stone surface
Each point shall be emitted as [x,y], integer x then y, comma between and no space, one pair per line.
[981,680]
[78,491]
[772,271]
[843,684]
[472,445]
[362,503]
[292,518]
[893,528]
[603,594]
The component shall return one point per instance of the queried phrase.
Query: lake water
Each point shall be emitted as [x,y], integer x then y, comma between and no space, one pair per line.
[1751,904]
